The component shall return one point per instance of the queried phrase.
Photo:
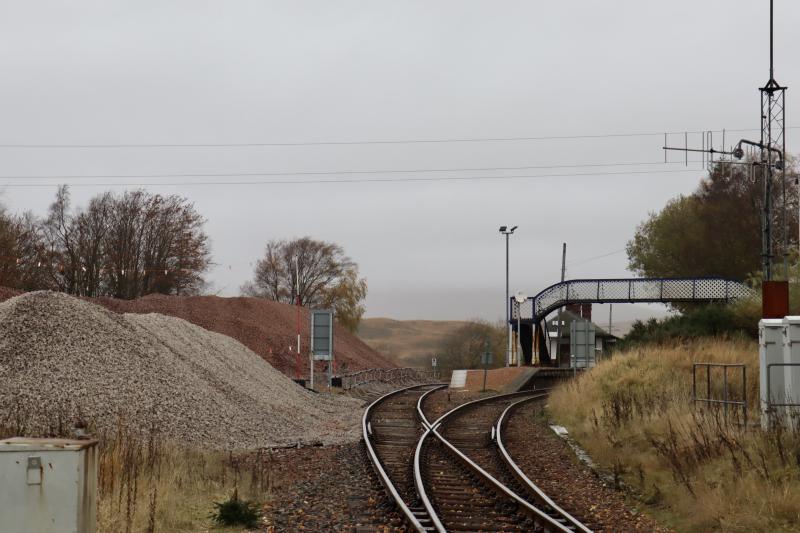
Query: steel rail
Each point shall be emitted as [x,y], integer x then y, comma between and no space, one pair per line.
[420,412]
[520,475]
[378,466]
[540,517]
[423,495]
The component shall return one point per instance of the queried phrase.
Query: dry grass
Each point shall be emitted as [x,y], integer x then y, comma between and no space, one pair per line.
[148,485]
[696,469]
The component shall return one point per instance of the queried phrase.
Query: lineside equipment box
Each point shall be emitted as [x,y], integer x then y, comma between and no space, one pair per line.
[48,485]
[770,351]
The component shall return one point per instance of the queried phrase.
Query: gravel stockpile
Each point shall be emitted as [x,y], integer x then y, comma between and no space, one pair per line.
[266,327]
[61,356]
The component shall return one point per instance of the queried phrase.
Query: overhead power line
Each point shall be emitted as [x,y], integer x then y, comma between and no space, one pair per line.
[596,257]
[349,143]
[343,181]
[331,172]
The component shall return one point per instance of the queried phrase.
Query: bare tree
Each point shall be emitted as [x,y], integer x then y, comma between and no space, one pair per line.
[9,275]
[327,278]
[124,246]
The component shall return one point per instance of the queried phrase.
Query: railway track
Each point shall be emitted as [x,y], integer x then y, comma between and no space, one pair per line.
[391,428]
[454,474]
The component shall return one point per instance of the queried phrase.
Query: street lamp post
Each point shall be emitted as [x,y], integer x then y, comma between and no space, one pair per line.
[507,303]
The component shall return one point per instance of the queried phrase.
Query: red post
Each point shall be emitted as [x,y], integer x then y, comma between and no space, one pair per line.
[297,355]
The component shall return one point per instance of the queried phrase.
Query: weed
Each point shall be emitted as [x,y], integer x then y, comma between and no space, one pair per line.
[236,512]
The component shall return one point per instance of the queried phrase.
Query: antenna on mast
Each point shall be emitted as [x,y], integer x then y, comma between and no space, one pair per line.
[772,157]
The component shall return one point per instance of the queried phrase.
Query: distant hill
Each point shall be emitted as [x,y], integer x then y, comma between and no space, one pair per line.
[406,342]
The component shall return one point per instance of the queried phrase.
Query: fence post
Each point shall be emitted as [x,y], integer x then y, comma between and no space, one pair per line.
[725,389]
[744,393]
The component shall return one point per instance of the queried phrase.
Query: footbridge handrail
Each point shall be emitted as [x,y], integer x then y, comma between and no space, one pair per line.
[633,290]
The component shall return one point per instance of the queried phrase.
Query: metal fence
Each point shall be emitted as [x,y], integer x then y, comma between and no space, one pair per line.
[386,375]
[725,401]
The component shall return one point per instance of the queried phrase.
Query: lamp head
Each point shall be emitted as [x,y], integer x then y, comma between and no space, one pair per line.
[503,229]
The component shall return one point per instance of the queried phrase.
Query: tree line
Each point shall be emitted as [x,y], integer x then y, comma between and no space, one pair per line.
[127,245]
[716,230]
[121,245]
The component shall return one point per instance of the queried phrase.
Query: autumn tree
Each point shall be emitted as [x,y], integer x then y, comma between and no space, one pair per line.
[464,347]
[327,278]
[715,231]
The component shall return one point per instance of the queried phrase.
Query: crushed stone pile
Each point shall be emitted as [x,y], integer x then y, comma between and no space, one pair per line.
[266,327]
[62,358]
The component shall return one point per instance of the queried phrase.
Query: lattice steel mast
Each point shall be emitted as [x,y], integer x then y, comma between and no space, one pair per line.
[773,141]
[772,148]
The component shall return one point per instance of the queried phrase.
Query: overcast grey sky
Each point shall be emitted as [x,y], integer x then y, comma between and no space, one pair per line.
[191,72]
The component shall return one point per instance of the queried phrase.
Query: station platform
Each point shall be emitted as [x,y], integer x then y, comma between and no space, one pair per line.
[509,379]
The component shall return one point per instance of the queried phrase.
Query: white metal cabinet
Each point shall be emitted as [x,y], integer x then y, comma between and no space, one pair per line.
[770,351]
[48,485]
[791,374]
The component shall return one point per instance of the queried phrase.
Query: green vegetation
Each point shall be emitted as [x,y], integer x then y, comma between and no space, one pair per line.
[693,468]
[236,512]
[715,231]
[705,321]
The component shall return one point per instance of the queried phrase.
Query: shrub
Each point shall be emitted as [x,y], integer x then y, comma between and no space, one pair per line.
[236,512]
[705,321]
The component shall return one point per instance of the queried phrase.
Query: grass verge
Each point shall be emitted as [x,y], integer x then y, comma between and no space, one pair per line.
[695,469]
[146,484]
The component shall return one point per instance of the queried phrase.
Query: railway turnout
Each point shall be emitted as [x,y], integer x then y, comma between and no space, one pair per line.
[453,473]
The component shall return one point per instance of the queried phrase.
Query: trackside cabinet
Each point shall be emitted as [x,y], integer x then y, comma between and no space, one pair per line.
[48,485]
[770,351]
[791,372]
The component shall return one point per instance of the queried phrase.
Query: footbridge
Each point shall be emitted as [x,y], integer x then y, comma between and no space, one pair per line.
[635,290]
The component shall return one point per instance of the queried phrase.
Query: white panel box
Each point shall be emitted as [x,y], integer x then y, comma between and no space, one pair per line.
[48,485]
[791,374]
[770,351]
[458,379]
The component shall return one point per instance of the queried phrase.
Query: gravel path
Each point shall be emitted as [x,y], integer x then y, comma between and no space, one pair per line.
[549,462]
[62,357]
